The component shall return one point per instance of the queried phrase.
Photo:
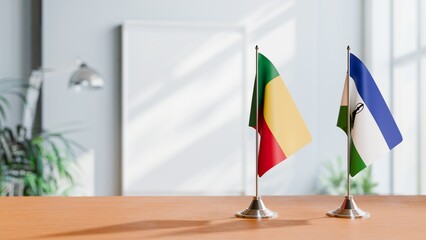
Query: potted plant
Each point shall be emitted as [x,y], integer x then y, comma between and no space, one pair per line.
[334,180]
[32,166]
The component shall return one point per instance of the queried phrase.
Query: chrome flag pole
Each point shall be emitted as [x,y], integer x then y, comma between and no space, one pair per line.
[348,209]
[257,208]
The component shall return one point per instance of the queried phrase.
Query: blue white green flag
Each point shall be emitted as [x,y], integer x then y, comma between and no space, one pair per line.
[373,129]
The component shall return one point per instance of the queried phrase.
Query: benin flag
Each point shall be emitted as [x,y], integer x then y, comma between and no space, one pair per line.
[281,127]
[373,129]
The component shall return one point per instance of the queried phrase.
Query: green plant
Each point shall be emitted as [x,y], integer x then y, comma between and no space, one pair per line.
[335,177]
[39,165]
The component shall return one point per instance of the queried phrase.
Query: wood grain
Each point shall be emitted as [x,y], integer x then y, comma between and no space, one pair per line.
[300,217]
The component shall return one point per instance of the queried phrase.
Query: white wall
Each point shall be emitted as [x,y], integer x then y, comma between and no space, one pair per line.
[15,47]
[305,39]
[395,56]
[377,47]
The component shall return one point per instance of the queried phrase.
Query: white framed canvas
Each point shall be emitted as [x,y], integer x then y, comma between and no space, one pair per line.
[183,110]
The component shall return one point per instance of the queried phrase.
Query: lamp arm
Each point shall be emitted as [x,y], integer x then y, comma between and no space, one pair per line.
[60,69]
[33,93]
[31,99]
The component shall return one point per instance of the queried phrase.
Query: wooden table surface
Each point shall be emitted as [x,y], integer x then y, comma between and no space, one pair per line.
[301,217]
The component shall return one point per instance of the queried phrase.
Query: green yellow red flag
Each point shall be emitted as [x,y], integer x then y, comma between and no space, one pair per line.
[281,127]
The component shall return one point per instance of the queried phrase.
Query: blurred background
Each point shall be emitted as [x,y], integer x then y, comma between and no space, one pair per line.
[172,115]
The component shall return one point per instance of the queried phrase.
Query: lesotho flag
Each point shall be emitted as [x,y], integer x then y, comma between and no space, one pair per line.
[373,129]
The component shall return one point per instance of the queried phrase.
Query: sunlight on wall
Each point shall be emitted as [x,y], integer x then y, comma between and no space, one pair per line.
[265,13]
[283,37]
[202,54]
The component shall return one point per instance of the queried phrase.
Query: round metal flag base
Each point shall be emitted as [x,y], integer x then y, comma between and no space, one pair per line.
[257,209]
[349,209]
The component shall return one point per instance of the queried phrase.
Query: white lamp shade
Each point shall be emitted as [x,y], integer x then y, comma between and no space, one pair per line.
[86,77]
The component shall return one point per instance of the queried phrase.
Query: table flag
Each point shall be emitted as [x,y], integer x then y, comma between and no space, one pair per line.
[281,127]
[373,129]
